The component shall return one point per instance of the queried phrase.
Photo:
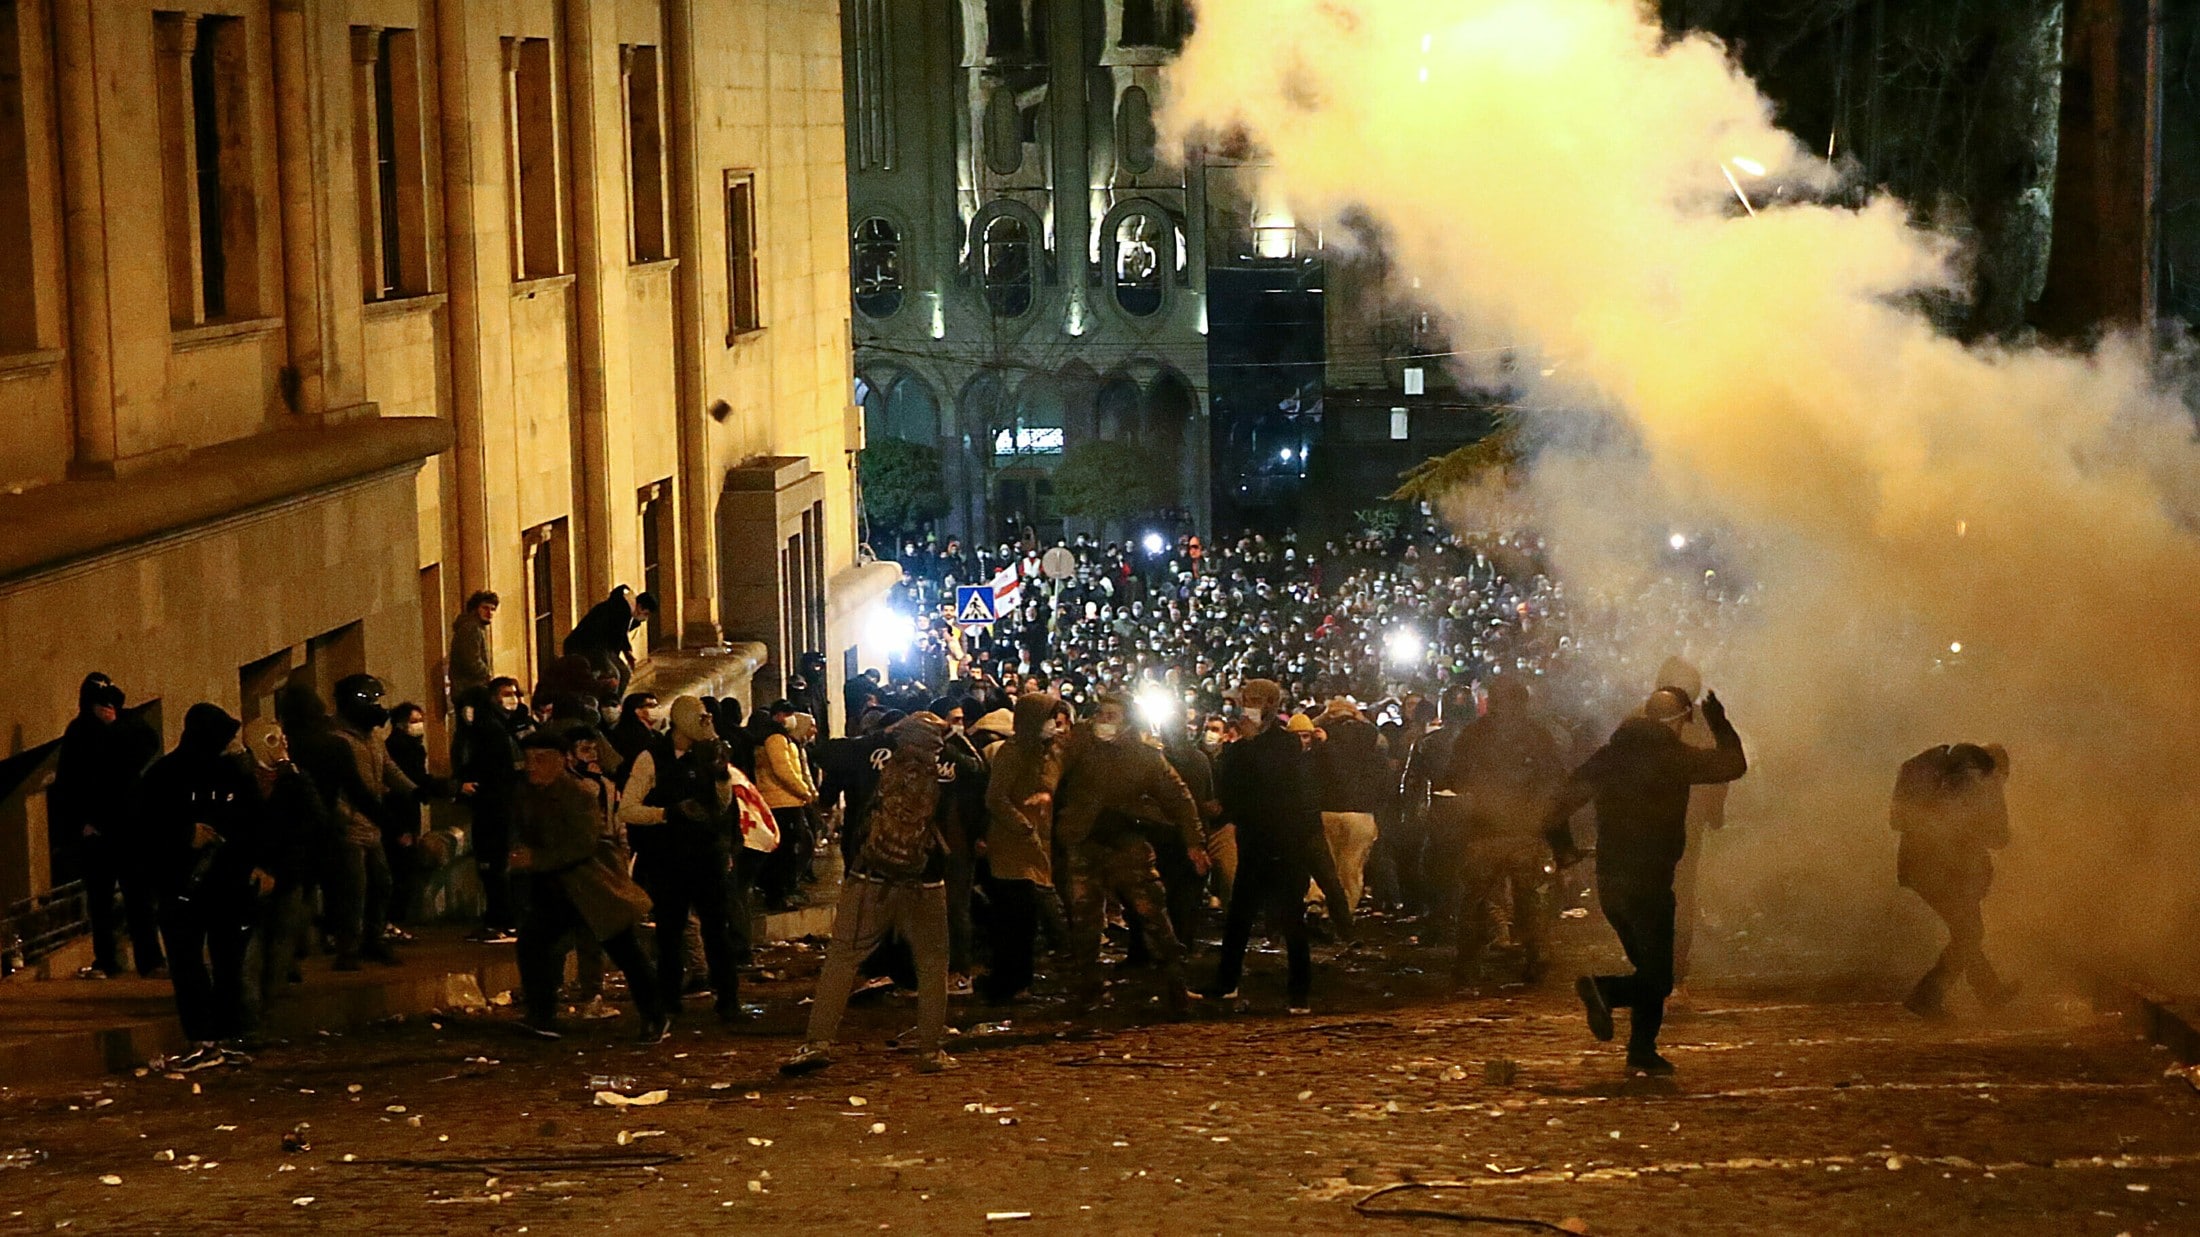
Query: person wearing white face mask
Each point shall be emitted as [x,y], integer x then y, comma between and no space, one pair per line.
[403,823]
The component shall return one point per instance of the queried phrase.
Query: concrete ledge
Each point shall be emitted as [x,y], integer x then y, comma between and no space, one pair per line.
[73,1028]
[74,519]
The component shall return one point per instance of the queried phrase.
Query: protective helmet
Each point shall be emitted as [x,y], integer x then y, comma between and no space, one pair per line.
[359,701]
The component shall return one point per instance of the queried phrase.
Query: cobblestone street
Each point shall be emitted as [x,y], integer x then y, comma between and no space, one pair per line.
[1791,1113]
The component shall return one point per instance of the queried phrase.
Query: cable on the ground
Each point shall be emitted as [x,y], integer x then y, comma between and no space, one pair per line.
[1117,1063]
[1437,1213]
[536,1163]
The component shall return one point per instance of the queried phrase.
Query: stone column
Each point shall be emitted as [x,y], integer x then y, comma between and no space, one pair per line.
[700,481]
[84,236]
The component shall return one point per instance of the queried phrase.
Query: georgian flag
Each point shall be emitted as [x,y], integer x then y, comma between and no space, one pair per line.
[1008,592]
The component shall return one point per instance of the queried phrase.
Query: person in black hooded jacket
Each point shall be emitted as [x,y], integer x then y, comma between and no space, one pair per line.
[204,837]
[1640,783]
[103,753]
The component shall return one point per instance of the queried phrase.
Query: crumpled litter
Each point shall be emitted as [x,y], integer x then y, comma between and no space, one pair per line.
[612,1099]
[2190,1073]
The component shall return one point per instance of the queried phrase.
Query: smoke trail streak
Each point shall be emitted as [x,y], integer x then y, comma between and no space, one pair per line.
[1558,171]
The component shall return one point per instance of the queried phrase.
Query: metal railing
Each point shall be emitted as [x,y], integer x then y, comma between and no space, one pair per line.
[41,924]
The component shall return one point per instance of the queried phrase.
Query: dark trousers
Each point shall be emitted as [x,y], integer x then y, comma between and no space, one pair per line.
[741,903]
[1444,859]
[103,875]
[962,878]
[1965,956]
[492,860]
[359,899]
[683,882]
[206,946]
[1015,936]
[1274,886]
[786,868]
[278,922]
[1394,868]
[1640,910]
[551,919]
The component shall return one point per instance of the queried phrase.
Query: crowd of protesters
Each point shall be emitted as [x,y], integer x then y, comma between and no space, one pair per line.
[1173,744]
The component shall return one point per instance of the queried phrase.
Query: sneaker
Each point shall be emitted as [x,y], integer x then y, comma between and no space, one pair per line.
[201,1056]
[595,1009]
[935,1062]
[808,1059]
[540,1029]
[874,983]
[1593,1004]
[655,1030]
[1299,1011]
[394,933]
[93,972]
[1647,1061]
[958,985]
[1212,994]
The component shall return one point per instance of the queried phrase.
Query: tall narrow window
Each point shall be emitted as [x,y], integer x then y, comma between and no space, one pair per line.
[1153,23]
[549,581]
[645,155]
[212,227]
[18,285]
[532,128]
[657,543]
[743,314]
[876,268]
[1138,252]
[1004,27]
[1008,267]
[393,226]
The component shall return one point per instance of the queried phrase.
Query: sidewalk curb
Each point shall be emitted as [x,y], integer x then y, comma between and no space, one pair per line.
[2175,1025]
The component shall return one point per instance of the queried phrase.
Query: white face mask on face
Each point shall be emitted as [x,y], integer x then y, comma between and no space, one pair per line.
[417,729]
[1106,732]
[1251,716]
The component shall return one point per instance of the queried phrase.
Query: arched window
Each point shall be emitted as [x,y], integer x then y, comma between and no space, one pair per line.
[1134,132]
[875,268]
[1140,243]
[1008,267]
[900,406]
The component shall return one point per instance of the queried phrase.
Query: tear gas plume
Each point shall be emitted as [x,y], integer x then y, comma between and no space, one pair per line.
[1560,174]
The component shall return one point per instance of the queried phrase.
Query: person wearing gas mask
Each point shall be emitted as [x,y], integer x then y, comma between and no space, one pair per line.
[203,840]
[293,824]
[486,764]
[361,884]
[1949,809]
[678,809]
[1640,783]
[1118,797]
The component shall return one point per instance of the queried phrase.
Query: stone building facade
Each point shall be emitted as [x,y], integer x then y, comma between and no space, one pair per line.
[1029,268]
[315,317]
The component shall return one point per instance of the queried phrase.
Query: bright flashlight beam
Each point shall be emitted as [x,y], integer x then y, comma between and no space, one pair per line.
[1154,543]
[1728,172]
[892,631]
[1748,165]
[1156,708]
[1405,645]
[1679,541]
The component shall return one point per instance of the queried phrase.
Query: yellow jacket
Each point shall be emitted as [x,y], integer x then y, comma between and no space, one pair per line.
[783,774]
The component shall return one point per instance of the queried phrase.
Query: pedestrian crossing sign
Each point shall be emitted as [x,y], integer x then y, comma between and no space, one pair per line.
[974,606]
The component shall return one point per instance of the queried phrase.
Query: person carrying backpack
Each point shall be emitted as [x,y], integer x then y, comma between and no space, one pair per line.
[898,884]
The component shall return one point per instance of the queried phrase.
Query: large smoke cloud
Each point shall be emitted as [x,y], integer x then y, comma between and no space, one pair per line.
[1555,172]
